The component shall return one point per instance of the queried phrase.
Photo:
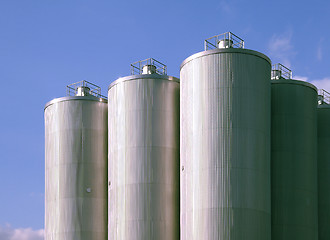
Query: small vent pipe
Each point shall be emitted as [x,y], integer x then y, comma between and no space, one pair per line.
[82,91]
[225,43]
[149,69]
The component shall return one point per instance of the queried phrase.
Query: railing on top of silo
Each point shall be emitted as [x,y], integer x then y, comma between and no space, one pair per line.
[279,71]
[148,66]
[323,97]
[84,88]
[224,40]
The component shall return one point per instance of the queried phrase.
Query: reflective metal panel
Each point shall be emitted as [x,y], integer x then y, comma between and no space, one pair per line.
[225,145]
[323,136]
[144,158]
[76,169]
[294,160]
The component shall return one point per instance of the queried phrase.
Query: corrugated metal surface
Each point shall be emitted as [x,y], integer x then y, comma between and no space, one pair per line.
[76,169]
[225,145]
[144,158]
[323,136]
[294,160]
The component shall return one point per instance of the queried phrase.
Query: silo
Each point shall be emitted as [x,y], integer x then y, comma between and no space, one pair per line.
[293,160]
[323,140]
[225,142]
[144,154]
[76,165]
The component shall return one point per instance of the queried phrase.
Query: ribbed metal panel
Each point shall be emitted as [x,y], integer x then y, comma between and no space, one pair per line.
[323,137]
[225,145]
[144,158]
[294,160]
[76,169]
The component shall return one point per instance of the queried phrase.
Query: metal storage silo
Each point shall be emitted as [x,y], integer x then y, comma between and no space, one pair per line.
[144,154]
[76,165]
[323,140]
[293,159]
[225,142]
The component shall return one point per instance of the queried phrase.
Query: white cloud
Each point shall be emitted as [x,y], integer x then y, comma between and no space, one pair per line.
[301,78]
[9,233]
[281,48]
[322,83]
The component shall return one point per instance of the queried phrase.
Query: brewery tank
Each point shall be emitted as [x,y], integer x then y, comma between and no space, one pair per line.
[144,160]
[323,152]
[76,165]
[294,160]
[225,142]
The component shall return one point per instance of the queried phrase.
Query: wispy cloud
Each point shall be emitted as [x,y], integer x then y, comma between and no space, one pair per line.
[301,78]
[281,48]
[323,83]
[226,7]
[319,51]
[9,233]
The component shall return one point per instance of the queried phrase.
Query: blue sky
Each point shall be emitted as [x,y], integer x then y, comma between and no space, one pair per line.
[48,44]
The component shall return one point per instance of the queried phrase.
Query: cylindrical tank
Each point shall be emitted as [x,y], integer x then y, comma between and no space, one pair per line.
[225,145]
[76,168]
[144,185]
[323,140]
[294,160]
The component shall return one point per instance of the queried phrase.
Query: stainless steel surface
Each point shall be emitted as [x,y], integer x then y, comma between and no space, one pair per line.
[144,158]
[323,136]
[85,98]
[225,50]
[148,76]
[76,169]
[225,145]
[294,160]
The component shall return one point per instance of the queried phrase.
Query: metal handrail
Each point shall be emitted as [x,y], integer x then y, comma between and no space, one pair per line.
[137,67]
[323,97]
[279,71]
[94,90]
[213,42]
